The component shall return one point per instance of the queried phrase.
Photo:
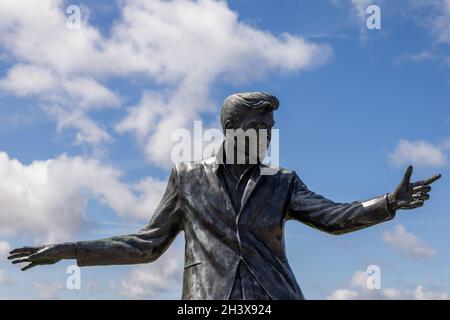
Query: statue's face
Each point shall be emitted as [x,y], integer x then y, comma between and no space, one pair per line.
[257,121]
[254,123]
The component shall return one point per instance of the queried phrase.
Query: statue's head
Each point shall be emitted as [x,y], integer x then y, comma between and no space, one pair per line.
[249,115]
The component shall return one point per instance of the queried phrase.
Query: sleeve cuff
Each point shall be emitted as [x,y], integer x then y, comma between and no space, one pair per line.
[378,209]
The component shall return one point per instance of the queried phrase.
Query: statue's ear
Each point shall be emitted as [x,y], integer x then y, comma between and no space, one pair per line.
[228,125]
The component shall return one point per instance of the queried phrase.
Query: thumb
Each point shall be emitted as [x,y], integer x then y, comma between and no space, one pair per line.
[408,173]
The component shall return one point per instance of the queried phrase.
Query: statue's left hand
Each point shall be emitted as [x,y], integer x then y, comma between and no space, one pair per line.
[409,195]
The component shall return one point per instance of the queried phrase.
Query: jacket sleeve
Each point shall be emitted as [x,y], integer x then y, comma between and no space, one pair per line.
[335,218]
[144,246]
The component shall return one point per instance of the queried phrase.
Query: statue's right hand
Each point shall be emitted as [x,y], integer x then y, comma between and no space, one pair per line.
[41,255]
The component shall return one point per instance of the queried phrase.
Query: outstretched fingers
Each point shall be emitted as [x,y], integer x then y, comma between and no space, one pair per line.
[21,260]
[422,189]
[432,179]
[27,258]
[18,255]
[29,266]
[428,181]
[28,250]
[415,204]
[24,254]
[420,196]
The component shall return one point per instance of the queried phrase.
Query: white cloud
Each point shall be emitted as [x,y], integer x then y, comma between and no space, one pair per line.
[441,23]
[84,93]
[421,294]
[359,13]
[407,243]
[28,80]
[157,280]
[47,199]
[420,153]
[188,45]
[3,277]
[437,20]
[360,7]
[48,291]
[343,294]
[434,16]
[88,130]
[358,290]
[424,55]
[182,46]
[48,41]
[89,93]
[54,63]
[4,249]
[143,117]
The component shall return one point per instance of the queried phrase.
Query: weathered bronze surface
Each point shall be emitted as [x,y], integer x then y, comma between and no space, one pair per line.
[233,219]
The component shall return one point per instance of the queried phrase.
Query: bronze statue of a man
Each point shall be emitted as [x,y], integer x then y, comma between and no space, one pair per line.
[233,217]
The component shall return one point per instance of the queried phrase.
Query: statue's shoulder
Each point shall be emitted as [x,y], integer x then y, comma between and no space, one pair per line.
[211,162]
[193,166]
[277,170]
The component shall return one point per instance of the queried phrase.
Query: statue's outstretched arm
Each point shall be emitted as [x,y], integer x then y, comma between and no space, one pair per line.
[338,218]
[144,246]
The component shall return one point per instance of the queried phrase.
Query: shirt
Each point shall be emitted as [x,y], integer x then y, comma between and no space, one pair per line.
[245,286]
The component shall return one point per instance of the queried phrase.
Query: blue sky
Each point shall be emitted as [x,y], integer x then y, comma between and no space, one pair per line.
[86,116]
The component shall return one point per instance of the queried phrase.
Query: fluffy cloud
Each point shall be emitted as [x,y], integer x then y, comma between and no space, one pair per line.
[3,277]
[359,12]
[158,280]
[54,64]
[407,243]
[33,80]
[48,291]
[439,22]
[360,7]
[182,46]
[188,45]
[4,249]
[420,153]
[28,80]
[47,199]
[358,291]
[436,21]
[343,294]
[87,130]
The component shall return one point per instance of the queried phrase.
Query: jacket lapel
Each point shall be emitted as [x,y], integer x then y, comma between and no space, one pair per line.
[250,187]
[220,183]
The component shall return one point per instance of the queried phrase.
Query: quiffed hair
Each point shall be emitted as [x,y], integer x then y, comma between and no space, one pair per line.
[237,103]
